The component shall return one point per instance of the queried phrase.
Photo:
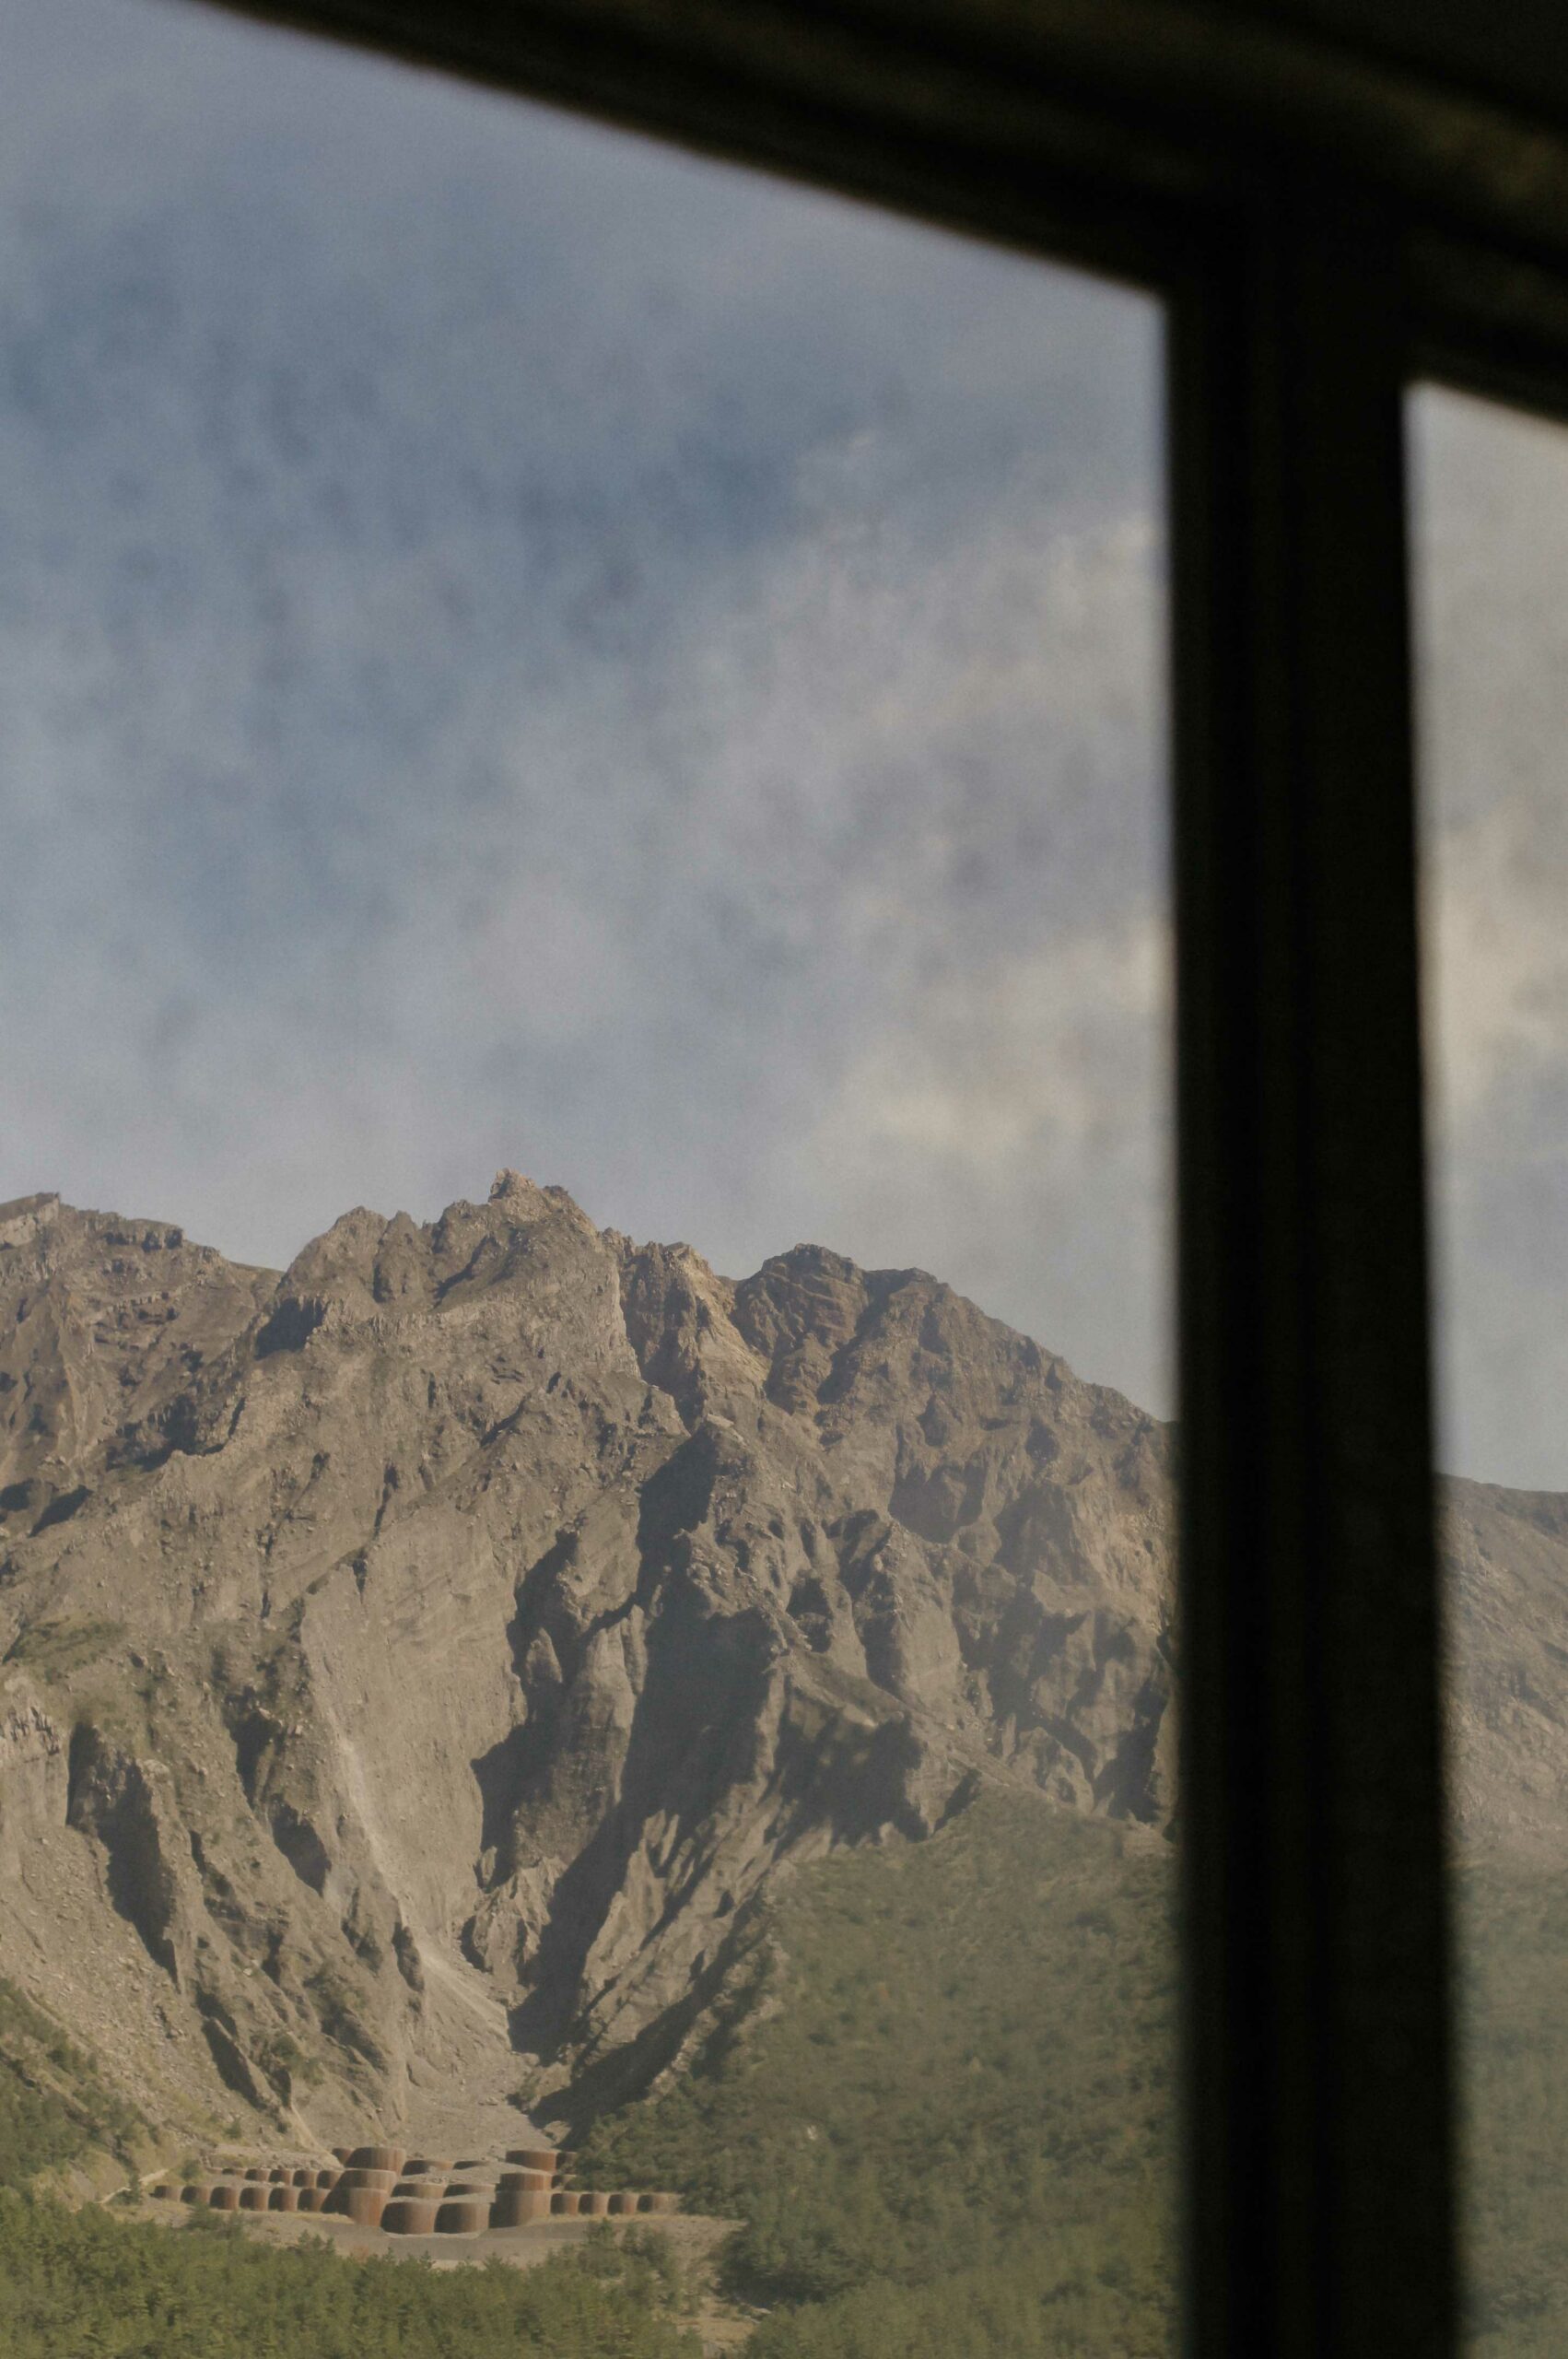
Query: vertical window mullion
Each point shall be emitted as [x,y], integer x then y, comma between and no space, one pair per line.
[1317,1958]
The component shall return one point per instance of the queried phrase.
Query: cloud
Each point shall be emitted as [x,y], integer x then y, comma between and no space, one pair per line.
[1497,949]
[1490,536]
[1053,1057]
[1020,1114]
[518,646]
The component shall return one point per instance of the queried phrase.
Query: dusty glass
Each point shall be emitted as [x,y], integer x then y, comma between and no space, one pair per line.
[526,653]
[1491,548]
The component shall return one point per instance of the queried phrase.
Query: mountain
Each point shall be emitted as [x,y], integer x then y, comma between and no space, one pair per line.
[417,1666]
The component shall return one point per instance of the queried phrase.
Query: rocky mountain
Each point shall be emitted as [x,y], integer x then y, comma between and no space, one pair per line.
[415,1667]
[1508,1595]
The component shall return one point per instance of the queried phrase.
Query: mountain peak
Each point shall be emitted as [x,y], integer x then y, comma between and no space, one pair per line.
[514,1189]
[517,1601]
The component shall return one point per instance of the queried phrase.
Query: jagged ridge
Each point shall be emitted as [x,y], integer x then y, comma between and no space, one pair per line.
[417,1663]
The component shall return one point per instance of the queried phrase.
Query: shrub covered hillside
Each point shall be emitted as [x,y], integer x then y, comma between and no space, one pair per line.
[83,2286]
[943,2100]
[1513,1930]
[55,2107]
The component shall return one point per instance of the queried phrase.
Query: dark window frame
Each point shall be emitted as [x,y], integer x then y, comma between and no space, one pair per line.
[1325,225]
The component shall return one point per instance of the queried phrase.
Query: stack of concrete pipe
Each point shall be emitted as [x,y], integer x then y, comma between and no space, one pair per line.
[411,2215]
[363,2192]
[421,2195]
[519,2206]
[463,2216]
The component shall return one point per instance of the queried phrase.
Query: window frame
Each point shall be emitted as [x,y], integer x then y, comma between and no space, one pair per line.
[1324,226]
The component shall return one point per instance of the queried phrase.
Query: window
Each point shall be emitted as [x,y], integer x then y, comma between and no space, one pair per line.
[528,650]
[1490,513]
[1332,207]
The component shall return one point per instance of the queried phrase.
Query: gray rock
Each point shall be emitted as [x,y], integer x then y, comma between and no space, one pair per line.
[417,1665]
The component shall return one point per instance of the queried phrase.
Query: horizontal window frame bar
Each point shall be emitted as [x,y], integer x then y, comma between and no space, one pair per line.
[1133,105]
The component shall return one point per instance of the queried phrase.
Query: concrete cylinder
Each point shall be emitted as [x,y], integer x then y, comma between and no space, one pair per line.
[254,2198]
[329,2177]
[464,2218]
[312,2199]
[225,2196]
[342,2153]
[594,2204]
[622,2203]
[378,2158]
[164,2194]
[566,2203]
[364,2205]
[659,2203]
[383,2180]
[256,2171]
[284,2199]
[407,2216]
[197,2190]
[535,2180]
[534,2158]
[470,2186]
[303,2176]
[520,2207]
[420,2190]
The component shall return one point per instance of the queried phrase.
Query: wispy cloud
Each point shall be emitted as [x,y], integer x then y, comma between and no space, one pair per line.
[1492,551]
[1497,925]
[515,646]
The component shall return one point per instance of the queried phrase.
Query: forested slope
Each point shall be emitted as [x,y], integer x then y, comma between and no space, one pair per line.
[943,2100]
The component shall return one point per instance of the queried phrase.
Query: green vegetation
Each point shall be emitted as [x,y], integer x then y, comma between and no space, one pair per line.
[55,2108]
[939,2099]
[54,1650]
[942,2101]
[1513,1926]
[84,2285]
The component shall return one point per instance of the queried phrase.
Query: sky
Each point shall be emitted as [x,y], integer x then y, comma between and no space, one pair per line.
[1489,510]
[521,646]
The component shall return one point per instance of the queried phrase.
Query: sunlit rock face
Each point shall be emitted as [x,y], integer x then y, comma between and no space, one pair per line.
[417,1664]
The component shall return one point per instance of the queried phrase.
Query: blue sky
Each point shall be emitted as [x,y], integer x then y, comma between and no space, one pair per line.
[517,646]
[520,646]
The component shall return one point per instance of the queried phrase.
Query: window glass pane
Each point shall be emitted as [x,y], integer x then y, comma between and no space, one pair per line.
[522,652]
[1491,550]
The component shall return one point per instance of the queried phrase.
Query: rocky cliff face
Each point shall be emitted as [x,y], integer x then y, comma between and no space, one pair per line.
[414,1665]
[1507,1596]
